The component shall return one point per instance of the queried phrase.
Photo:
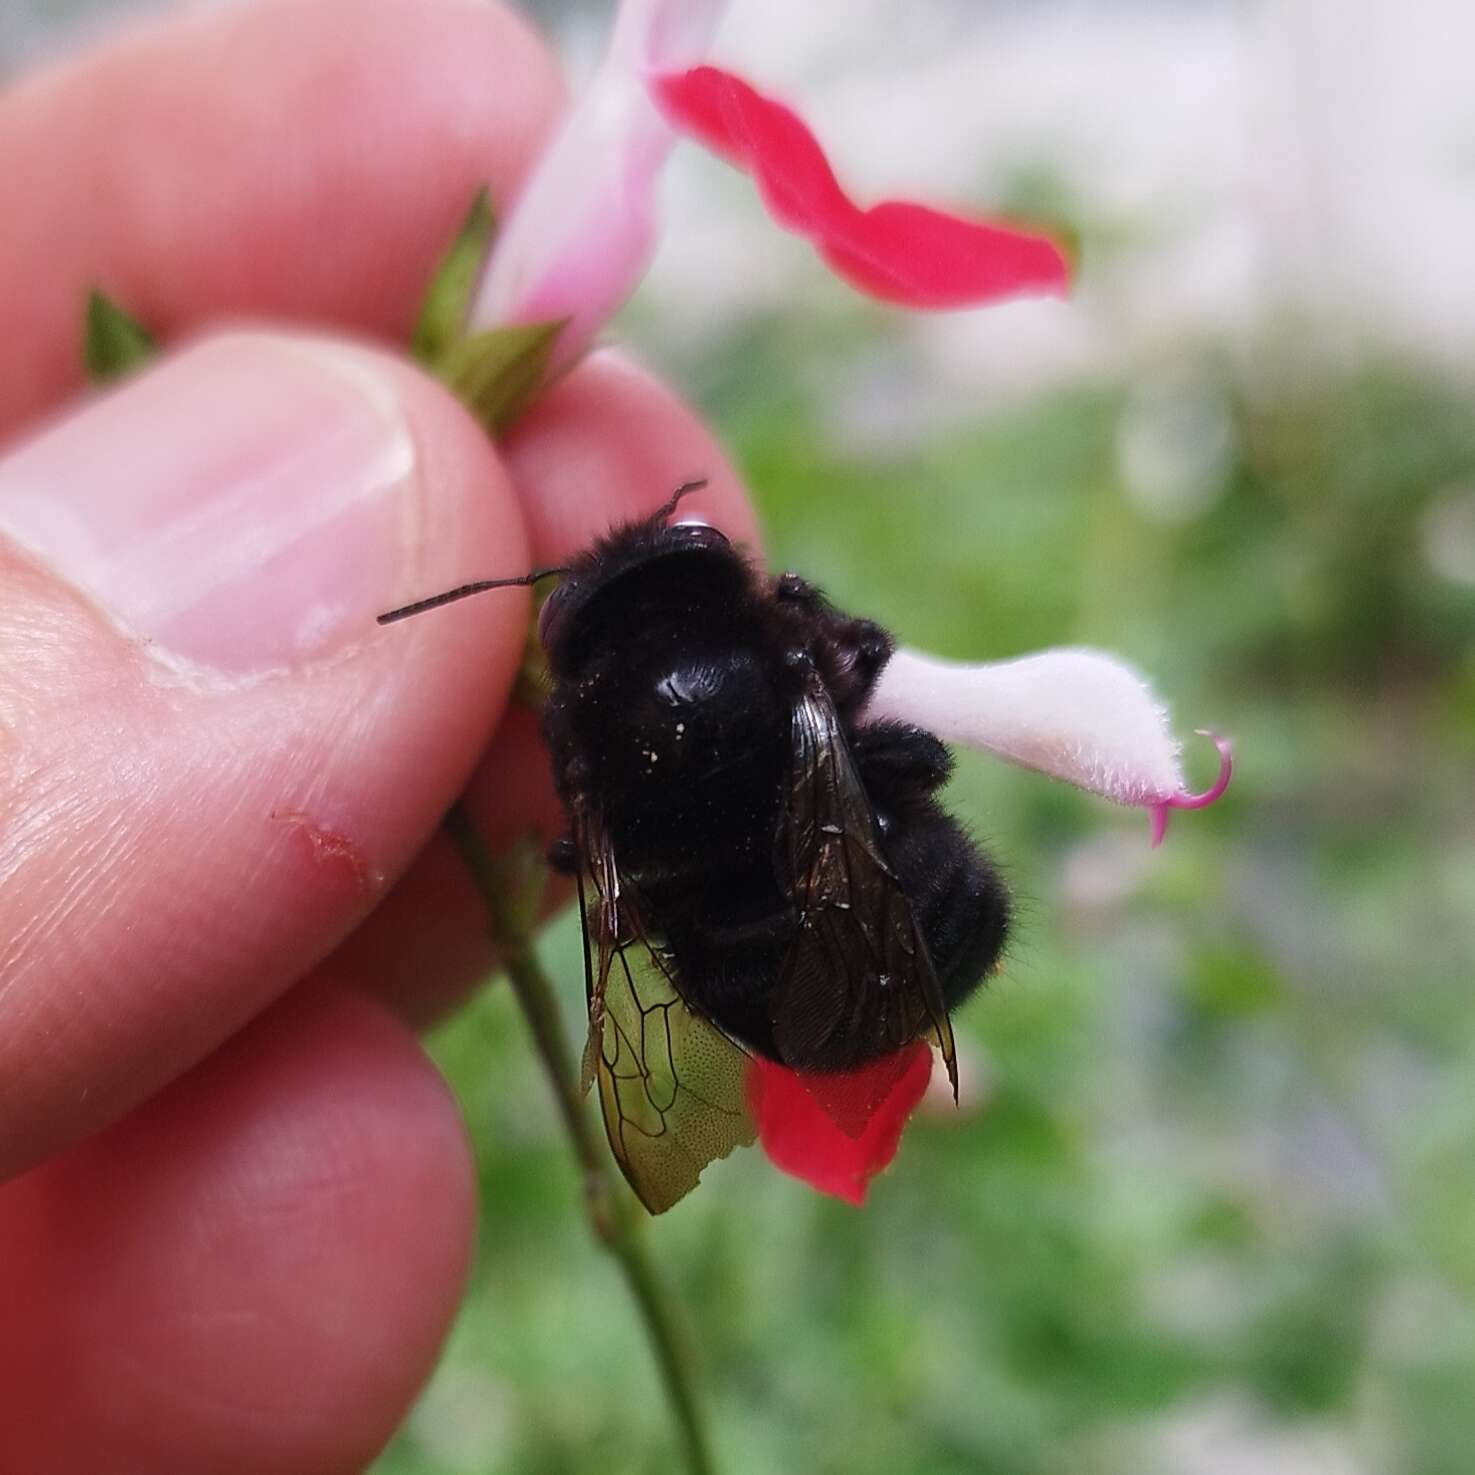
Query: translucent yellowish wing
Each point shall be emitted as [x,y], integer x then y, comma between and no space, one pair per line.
[672,1086]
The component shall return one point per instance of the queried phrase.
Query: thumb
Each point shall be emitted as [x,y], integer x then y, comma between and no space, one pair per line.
[212,761]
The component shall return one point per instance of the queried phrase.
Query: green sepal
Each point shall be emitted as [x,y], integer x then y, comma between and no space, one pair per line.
[448,297]
[495,374]
[113,343]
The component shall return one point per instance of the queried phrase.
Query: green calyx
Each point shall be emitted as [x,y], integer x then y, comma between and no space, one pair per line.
[494,373]
[113,343]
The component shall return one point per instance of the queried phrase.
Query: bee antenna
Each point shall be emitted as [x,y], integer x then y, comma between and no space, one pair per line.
[463,591]
[670,506]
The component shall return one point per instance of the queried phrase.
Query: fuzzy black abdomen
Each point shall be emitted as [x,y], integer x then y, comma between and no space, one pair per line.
[958,900]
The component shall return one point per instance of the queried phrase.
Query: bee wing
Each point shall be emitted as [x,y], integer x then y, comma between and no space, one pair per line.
[601,925]
[858,972]
[672,1086]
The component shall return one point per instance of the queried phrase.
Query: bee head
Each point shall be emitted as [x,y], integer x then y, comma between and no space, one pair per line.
[644,563]
[652,548]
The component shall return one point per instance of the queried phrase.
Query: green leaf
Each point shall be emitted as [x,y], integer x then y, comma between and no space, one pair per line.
[448,297]
[496,373]
[113,343]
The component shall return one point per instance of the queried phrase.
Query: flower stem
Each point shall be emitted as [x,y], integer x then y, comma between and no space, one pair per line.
[511,910]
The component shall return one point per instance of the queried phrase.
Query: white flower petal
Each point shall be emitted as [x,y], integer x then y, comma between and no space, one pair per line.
[580,236]
[1078,715]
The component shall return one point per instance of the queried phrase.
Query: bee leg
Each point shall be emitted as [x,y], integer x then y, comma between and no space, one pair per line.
[868,647]
[896,757]
[850,652]
[563,856]
[794,589]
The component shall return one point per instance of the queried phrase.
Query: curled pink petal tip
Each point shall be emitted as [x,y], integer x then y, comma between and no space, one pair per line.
[1158,813]
[1217,788]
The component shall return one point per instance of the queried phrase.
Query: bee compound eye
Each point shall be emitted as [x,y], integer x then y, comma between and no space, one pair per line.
[692,532]
[551,616]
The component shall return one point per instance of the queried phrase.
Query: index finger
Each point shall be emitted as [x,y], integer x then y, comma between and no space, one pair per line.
[304,159]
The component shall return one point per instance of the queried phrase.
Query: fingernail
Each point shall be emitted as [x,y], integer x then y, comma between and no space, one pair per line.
[247,505]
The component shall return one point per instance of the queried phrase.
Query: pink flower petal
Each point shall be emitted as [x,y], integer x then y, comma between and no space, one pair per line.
[917,257]
[837,1131]
[1077,715]
[756,134]
[580,235]
[896,251]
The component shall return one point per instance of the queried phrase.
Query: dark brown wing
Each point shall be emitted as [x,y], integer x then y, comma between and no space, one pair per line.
[671,1085]
[857,982]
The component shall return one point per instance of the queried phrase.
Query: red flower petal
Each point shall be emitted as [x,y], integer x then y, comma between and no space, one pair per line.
[896,251]
[838,1131]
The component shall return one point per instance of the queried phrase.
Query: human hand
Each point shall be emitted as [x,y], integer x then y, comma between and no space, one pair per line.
[240,1204]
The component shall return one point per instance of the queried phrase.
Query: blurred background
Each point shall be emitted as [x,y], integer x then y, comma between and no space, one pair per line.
[1209,1208]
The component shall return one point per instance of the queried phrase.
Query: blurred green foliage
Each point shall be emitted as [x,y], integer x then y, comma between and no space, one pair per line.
[1215,1188]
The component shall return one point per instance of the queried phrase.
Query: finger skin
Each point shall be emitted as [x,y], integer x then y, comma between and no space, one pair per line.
[253,1272]
[210,163]
[429,944]
[176,855]
[303,159]
[607,444]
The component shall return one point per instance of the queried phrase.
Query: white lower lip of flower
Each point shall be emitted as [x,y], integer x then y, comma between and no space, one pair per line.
[1072,713]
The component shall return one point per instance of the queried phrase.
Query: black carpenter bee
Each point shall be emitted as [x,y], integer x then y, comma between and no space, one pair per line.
[760,869]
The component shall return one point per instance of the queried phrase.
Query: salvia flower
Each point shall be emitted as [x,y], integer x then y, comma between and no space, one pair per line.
[582,232]
[1078,715]
[577,243]
[1075,714]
